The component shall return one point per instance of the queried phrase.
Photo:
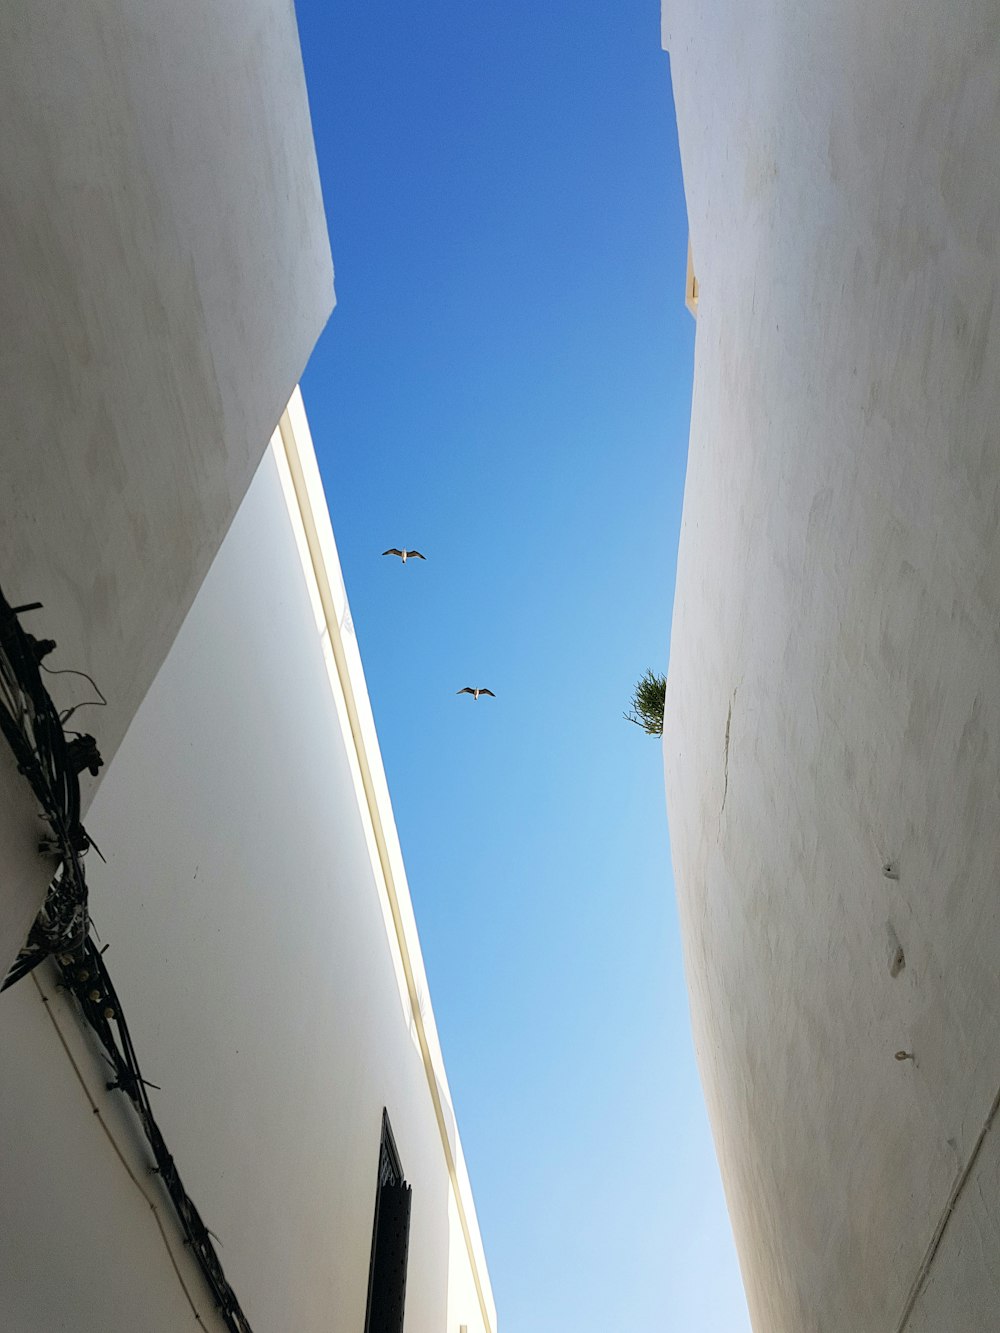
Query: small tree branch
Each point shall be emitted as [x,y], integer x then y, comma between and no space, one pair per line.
[648,700]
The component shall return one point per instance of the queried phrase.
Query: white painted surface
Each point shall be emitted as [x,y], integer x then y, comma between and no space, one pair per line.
[249,941]
[66,1200]
[838,613]
[166,272]
[963,1286]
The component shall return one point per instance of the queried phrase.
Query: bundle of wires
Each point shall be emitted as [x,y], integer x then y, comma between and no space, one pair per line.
[34,731]
[90,983]
[51,763]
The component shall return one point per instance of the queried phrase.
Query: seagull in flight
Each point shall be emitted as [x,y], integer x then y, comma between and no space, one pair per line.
[404,555]
[475,693]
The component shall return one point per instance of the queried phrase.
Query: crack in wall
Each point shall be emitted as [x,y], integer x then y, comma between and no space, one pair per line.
[923,1272]
[725,754]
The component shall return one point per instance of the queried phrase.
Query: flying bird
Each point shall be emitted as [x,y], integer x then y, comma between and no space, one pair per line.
[475,693]
[404,555]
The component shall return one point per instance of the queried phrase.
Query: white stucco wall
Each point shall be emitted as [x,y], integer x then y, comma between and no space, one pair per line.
[166,272]
[253,946]
[833,703]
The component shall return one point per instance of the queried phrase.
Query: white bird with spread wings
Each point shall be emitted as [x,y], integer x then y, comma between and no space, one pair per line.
[404,555]
[475,692]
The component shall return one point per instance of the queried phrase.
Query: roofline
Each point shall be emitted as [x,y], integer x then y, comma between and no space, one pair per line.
[298,454]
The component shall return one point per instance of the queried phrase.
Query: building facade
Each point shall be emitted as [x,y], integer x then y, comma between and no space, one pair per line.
[262,941]
[833,703]
[169,273]
[166,273]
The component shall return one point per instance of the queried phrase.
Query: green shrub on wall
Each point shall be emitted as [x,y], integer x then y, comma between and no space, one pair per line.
[647,703]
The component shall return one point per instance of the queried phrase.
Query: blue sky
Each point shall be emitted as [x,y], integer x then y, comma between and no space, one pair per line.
[505,385]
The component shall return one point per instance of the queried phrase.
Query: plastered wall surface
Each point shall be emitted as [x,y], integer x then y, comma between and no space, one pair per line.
[832,737]
[261,983]
[962,1291]
[166,272]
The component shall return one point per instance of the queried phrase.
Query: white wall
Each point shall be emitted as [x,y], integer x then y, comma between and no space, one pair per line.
[838,618]
[262,978]
[166,272]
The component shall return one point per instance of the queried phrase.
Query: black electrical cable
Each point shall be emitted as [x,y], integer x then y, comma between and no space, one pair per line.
[33,729]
